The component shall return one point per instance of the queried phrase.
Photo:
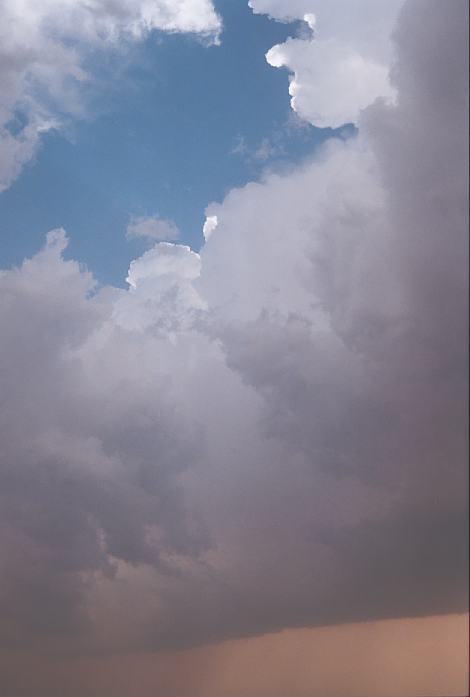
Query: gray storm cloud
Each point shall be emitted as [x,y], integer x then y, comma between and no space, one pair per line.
[271,433]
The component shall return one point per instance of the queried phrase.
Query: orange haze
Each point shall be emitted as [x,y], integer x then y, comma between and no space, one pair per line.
[394,658]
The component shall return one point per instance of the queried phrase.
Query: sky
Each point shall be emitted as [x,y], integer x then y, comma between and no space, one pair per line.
[162,132]
[234,348]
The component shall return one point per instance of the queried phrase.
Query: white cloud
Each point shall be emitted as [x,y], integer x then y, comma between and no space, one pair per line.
[162,294]
[152,228]
[209,226]
[332,83]
[271,433]
[343,66]
[42,46]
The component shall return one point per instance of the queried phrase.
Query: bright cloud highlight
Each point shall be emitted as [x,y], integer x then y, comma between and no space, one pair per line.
[343,65]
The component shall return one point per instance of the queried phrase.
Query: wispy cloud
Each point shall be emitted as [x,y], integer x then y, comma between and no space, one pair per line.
[43,47]
[152,228]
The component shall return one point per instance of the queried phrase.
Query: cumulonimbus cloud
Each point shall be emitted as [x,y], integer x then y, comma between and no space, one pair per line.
[271,433]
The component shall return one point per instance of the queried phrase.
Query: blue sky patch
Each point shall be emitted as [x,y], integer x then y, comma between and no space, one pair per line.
[169,128]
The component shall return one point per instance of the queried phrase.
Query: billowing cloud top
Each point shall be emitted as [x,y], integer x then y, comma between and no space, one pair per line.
[271,433]
[343,66]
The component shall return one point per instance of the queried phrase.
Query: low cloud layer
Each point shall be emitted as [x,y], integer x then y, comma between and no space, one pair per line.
[269,434]
[43,46]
